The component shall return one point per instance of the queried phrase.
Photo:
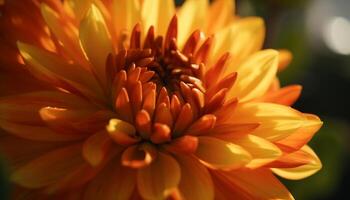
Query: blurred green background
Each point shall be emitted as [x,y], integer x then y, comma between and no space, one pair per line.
[317,32]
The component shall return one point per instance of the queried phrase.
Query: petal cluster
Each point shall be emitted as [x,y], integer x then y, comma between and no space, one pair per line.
[141,100]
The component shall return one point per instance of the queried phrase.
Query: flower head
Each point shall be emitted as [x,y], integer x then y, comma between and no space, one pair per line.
[134,99]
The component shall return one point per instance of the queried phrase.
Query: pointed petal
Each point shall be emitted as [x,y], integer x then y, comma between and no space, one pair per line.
[155,180]
[195,181]
[49,67]
[39,133]
[303,171]
[60,162]
[64,31]
[25,108]
[285,96]
[255,75]
[126,13]
[244,37]
[255,184]
[94,35]
[220,14]
[219,154]
[157,13]
[303,135]
[276,121]
[113,182]
[96,147]
[191,16]
[262,151]
[79,7]
[285,58]
[183,145]
[122,132]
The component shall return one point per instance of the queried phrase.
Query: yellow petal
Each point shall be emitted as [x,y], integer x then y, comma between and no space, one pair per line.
[242,38]
[114,182]
[276,121]
[262,151]
[195,181]
[219,154]
[125,15]
[304,134]
[160,177]
[255,75]
[49,168]
[96,41]
[157,13]
[296,173]
[256,184]
[79,7]
[191,16]
[49,67]
[64,31]
[220,14]
[122,132]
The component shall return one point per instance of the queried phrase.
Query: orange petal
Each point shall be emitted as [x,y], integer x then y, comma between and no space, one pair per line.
[96,147]
[49,67]
[220,14]
[123,106]
[161,133]
[113,182]
[195,181]
[227,131]
[122,132]
[163,115]
[276,121]
[285,96]
[39,133]
[304,134]
[183,120]
[65,32]
[158,178]
[157,13]
[139,156]
[255,184]
[60,162]
[262,151]
[184,145]
[30,150]
[69,121]
[143,123]
[199,127]
[131,12]
[94,35]
[312,166]
[219,154]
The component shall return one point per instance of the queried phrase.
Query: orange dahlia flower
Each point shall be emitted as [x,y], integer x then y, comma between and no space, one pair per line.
[135,99]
